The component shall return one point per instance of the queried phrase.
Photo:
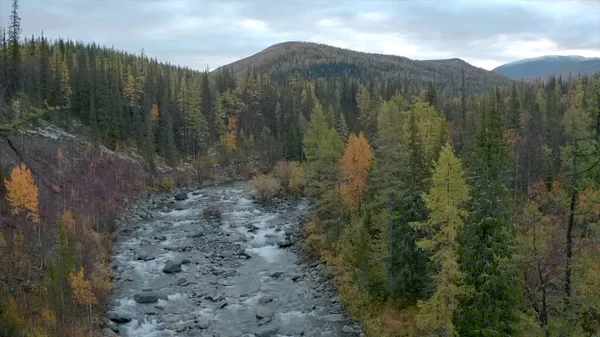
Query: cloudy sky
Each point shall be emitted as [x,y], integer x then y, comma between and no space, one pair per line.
[209,33]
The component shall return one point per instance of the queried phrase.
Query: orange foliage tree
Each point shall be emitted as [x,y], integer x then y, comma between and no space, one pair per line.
[22,193]
[356,162]
[82,292]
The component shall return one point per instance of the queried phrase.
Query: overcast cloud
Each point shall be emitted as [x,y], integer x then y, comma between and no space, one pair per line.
[201,34]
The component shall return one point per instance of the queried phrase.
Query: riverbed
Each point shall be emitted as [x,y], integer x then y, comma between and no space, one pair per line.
[180,269]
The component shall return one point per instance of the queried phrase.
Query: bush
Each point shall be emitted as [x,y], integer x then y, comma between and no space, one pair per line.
[212,212]
[203,166]
[165,183]
[290,177]
[266,186]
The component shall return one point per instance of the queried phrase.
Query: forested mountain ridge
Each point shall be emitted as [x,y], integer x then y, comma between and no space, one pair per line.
[554,65]
[314,60]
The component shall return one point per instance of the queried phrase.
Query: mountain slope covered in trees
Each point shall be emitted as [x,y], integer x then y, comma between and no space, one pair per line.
[313,60]
[545,66]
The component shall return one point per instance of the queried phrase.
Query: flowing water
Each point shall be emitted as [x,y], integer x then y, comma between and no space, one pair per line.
[235,277]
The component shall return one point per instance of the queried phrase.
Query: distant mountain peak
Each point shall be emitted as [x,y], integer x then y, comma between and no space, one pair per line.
[548,65]
[316,60]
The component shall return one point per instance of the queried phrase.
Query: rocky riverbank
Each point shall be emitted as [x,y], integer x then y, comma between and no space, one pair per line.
[212,262]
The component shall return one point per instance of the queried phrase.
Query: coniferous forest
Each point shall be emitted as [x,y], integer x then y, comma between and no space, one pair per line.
[439,213]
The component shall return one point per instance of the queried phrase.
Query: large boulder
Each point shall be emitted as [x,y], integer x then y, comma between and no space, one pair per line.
[263,312]
[181,196]
[172,267]
[146,296]
[120,316]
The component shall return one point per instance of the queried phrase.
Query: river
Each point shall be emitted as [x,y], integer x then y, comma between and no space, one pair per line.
[180,273]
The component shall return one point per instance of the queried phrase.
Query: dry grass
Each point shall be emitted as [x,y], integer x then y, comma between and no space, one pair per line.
[266,188]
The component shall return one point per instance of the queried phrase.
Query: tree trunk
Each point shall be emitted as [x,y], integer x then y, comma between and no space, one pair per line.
[569,249]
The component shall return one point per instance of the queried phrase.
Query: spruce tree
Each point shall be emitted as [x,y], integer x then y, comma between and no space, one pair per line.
[487,241]
[14,31]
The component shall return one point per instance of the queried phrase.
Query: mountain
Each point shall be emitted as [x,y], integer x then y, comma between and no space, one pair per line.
[550,65]
[314,60]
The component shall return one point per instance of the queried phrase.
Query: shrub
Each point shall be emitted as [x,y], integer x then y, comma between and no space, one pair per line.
[266,186]
[212,212]
[290,177]
[203,166]
[165,183]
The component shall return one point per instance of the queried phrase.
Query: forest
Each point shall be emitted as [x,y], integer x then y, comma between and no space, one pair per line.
[439,214]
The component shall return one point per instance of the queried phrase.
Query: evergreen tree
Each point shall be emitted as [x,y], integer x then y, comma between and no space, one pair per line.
[323,148]
[487,242]
[14,31]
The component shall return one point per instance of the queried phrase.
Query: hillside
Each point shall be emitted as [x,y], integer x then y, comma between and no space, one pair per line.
[315,60]
[550,65]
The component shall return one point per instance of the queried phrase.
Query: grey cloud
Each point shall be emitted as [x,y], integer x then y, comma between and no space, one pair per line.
[196,33]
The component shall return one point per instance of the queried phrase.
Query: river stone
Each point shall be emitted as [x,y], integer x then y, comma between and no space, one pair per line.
[202,323]
[180,327]
[226,253]
[120,316]
[265,299]
[181,196]
[263,312]
[172,267]
[276,274]
[284,243]
[333,318]
[348,329]
[106,332]
[146,296]
[267,332]
[171,318]
[186,261]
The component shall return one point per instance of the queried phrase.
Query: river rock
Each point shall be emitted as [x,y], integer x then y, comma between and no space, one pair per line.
[172,267]
[146,296]
[267,332]
[263,312]
[181,196]
[226,253]
[106,332]
[120,316]
[284,243]
[171,318]
[202,323]
[347,329]
[265,299]
[276,274]
[333,318]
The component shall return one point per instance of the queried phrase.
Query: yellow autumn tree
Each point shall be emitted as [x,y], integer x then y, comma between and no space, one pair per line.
[82,292]
[154,112]
[229,138]
[22,193]
[356,162]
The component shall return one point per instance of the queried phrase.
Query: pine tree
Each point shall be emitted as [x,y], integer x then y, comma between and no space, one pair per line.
[513,115]
[323,148]
[342,127]
[14,31]
[487,241]
[446,202]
